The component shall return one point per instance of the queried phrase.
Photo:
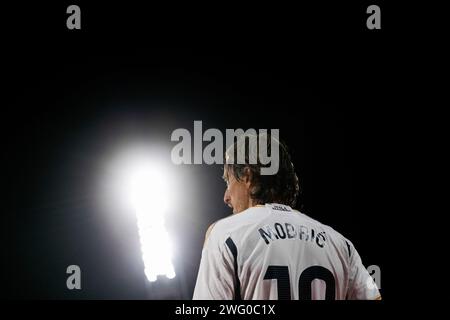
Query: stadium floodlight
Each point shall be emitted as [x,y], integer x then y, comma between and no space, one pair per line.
[148,194]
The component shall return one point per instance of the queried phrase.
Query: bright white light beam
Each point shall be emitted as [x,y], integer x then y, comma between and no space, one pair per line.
[148,194]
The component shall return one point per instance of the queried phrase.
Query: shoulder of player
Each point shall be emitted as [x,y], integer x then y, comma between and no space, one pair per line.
[216,226]
[329,230]
[345,244]
[220,224]
[208,232]
[222,227]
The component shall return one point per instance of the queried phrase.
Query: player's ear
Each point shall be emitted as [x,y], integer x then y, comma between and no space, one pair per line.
[248,176]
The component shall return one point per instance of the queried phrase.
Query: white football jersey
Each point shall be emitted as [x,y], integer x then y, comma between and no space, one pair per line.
[275,252]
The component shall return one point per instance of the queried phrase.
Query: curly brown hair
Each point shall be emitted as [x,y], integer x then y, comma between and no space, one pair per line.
[282,187]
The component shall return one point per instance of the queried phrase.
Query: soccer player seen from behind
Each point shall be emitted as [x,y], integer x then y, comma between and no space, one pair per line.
[268,250]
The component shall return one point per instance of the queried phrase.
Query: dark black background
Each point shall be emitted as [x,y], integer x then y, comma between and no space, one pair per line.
[139,72]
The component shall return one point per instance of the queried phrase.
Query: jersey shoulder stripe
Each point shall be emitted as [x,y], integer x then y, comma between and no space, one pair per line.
[237,284]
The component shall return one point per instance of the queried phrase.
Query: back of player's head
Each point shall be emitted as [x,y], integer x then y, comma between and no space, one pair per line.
[244,158]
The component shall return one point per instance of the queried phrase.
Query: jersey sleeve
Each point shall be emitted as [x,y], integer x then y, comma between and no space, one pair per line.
[215,279]
[361,284]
